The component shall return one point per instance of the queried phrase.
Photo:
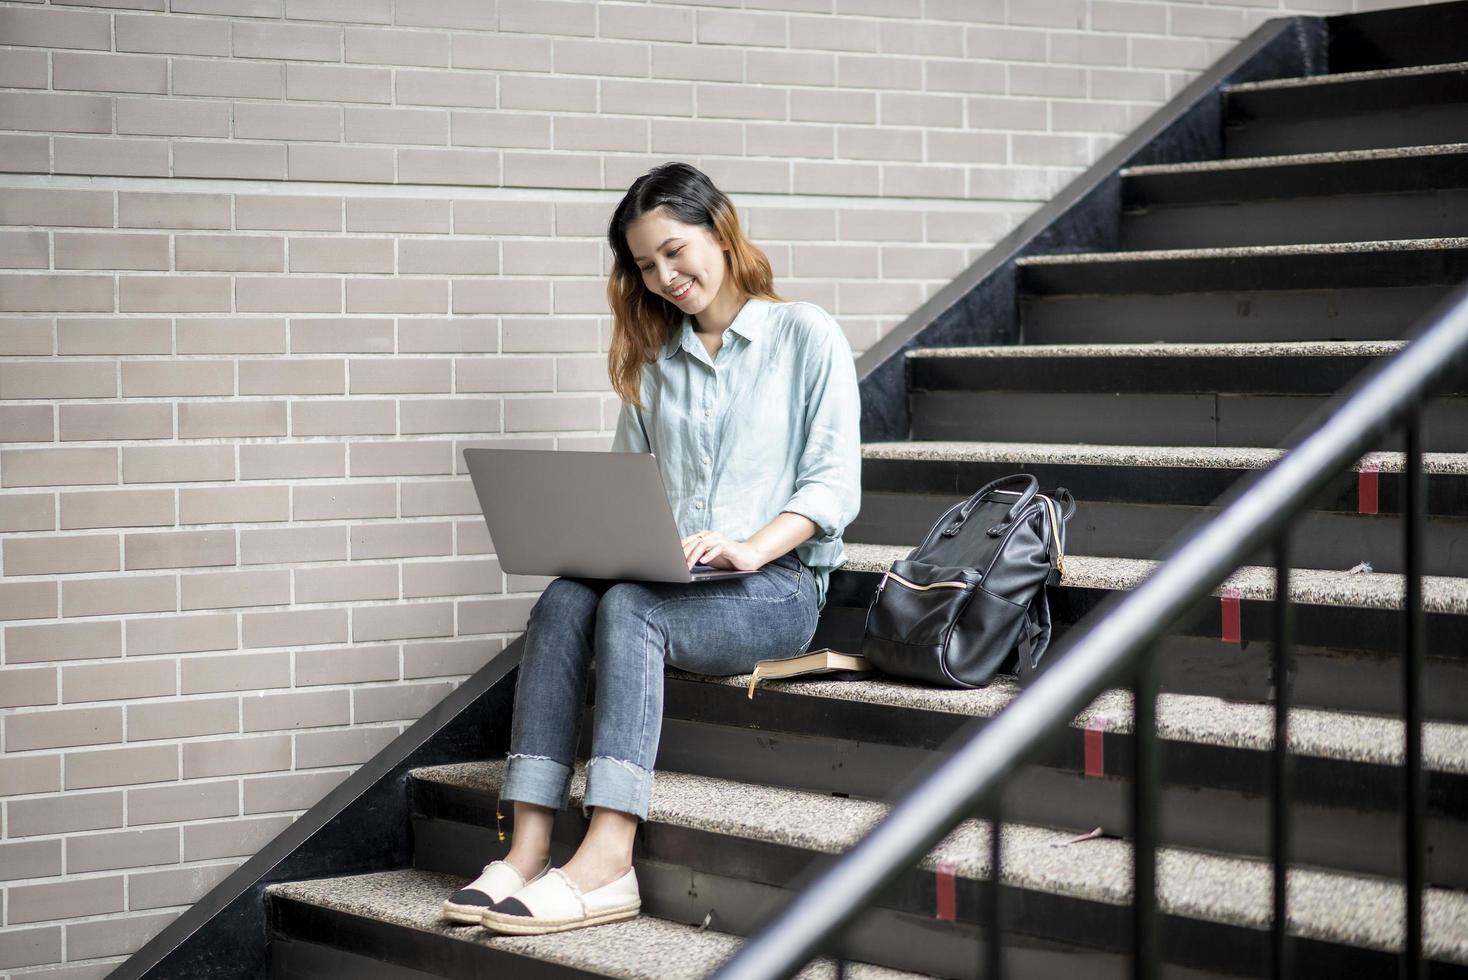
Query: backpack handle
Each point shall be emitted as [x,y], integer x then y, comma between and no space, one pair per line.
[1032,487]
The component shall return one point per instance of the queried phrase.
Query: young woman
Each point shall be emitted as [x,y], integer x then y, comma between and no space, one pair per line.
[750,405]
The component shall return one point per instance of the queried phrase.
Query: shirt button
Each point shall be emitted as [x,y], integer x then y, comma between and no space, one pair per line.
[706,459]
[699,505]
[707,413]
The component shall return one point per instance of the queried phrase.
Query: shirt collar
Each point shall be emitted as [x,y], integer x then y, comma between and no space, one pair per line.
[749,323]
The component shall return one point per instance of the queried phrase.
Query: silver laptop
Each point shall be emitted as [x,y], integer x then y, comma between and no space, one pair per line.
[582,514]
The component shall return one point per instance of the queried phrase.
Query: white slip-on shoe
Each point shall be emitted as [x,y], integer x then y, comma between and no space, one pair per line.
[555,904]
[499,881]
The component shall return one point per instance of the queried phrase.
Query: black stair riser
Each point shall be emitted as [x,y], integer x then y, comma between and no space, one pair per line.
[1260,421]
[1309,220]
[1278,374]
[1347,97]
[1277,185]
[1221,317]
[1362,786]
[1447,493]
[1119,530]
[1214,818]
[1246,273]
[685,874]
[1423,125]
[423,953]
[1401,37]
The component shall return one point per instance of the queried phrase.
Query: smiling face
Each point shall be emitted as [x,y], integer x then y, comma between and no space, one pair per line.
[684,264]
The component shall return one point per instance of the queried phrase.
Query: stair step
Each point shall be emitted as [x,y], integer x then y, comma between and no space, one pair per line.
[1151,394]
[1319,587]
[1364,195]
[1398,37]
[395,914]
[1225,899]
[1342,291]
[1420,106]
[1132,501]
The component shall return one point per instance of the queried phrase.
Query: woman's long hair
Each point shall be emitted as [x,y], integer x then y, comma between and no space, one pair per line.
[642,321]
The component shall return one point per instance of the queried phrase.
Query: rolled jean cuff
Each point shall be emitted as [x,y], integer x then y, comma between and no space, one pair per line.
[617,785]
[536,779]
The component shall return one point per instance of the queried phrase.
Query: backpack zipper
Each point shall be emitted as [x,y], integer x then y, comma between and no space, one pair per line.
[955,584]
[1050,510]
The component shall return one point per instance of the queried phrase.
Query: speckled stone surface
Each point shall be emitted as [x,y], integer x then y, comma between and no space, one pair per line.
[1311,586]
[1295,159]
[1201,457]
[645,948]
[1244,251]
[1325,905]
[1299,348]
[1348,76]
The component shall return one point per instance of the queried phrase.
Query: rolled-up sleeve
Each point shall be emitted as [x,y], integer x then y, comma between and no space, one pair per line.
[828,477]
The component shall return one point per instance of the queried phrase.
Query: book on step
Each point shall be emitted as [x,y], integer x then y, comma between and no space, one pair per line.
[833,664]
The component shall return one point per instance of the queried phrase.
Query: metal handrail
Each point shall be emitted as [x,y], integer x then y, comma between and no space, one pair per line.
[1387,395]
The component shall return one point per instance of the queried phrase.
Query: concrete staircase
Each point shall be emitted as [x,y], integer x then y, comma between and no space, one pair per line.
[1246,292]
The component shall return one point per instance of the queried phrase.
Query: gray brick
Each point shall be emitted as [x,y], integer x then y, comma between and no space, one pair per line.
[181,634]
[183,801]
[178,549]
[301,461]
[471,167]
[62,727]
[183,718]
[120,767]
[401,376]
[230,838]
[268,121]
[292,627]
[225,505]
[349,163]
[63,814]
[451,415]
[50,28]
[353,665]
[292,791]
[293,212]
[501,296]
[397,295]
[401,540]
[127,849]
[47,206]
[351,417]
[27,600]
[27,335]
[180,886]
[297,709]
[172,35]
[505,374]
[44,112]
[233,335]
[420,458]
[30,859]
[435,497]
[67,899]
[62,641]
[407,215]
[32,774]
[352,746]
[388,47]
[336,501]
[27,423]
[234,672]
[30,947]
[472,90]
[451,578]
[447,658]
[111,682]
[130,335]
[307,376]
[340,255]
[506,615]
[214,420]
[431,335]
[55,294]
[349,583]
[396,701]
[170,294]
[455,257]
[153,379]
[27,686]
[109,422]
[469,14]
[177,464]
[292,42]
[402,621]
[337,83]
[101,72]
[143,116]
[61,379]
[122,594]
[117,508]
[500,129]
[292,544]
[235,756]
[25,250]
[220,590]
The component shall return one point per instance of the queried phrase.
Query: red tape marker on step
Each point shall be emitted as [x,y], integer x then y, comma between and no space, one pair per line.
[947,892]
[1366,482]
[1232,628]
[1095,750]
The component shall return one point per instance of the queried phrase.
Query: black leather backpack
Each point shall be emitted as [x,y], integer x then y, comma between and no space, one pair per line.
[970,601]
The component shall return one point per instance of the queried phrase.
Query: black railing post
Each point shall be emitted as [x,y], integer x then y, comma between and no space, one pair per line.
[1145,795]
[1414,510]
[1279,810]
[993,938]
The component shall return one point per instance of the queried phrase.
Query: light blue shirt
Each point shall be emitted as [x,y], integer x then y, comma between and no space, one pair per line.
[772,423]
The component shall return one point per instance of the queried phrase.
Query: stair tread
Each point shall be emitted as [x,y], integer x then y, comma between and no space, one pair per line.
[1326,905]
[1245,251]
[1090,454]
[1310,586]
[1293,159]
[645,948]
[1291,348]
[1305,81]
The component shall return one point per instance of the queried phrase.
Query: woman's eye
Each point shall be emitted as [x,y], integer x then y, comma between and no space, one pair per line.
[675,251]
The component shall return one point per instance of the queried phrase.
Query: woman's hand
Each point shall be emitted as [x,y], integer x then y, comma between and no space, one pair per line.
[713,548]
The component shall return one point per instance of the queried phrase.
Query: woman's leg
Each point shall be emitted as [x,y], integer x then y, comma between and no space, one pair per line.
[550,693]
[721,627]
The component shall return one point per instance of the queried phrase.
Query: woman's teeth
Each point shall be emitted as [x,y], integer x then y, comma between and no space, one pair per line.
[682,290]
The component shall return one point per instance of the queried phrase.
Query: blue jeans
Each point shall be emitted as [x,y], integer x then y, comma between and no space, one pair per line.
[633,629]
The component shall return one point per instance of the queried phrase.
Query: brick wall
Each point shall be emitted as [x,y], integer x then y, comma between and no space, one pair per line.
[267,266]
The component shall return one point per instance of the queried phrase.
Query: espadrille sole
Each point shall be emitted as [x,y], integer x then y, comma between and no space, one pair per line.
[525,925]
[468,915]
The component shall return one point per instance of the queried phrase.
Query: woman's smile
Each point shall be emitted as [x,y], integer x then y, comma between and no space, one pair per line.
[680,291]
